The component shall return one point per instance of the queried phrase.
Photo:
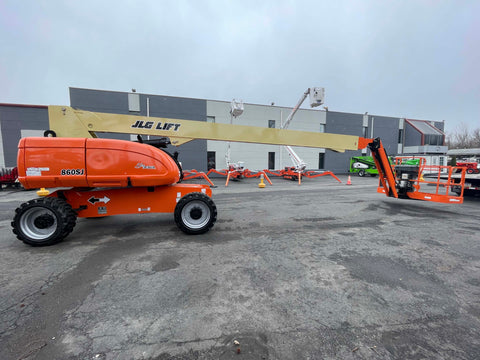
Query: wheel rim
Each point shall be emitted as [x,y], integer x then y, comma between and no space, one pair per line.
[38,223]
[195,214]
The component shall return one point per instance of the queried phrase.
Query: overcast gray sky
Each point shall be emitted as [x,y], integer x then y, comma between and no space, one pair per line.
[408,58]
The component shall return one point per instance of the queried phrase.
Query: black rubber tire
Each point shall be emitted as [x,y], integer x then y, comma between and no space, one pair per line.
[44,221]
[195,213]
[373,175]
[361,173]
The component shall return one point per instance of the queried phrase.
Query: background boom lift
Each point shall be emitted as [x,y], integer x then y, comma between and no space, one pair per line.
[101,177]
[236,171]
[317,96]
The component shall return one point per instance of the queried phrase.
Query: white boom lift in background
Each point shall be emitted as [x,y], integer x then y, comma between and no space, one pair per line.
[317,98]
[236,109]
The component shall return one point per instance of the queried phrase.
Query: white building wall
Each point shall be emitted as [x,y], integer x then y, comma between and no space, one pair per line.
[31,133]
[255,156]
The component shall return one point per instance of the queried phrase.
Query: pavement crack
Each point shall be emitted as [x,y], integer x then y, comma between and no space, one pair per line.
[38,346]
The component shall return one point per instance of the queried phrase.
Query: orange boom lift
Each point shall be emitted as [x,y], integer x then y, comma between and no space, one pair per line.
[98,177]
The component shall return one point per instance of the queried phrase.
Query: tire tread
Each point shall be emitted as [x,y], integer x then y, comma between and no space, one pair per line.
[191,197]
[67,219]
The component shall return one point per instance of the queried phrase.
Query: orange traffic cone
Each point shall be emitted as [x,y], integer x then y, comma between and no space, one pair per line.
[349,181]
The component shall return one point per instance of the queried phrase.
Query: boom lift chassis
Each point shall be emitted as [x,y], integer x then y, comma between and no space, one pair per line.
[110,177]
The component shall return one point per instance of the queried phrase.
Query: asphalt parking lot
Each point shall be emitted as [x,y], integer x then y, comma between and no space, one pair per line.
[317,271]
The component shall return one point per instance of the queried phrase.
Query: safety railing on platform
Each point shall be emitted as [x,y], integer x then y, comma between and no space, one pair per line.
[430,182]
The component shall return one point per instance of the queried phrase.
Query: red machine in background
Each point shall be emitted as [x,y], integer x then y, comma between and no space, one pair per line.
[298,170]
[8,177]
[193,174]
[236,171]
[470,166]
[291,173]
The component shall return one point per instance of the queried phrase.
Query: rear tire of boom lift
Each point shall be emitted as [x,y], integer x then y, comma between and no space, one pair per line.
[195,213]
[44,221]
[361,173]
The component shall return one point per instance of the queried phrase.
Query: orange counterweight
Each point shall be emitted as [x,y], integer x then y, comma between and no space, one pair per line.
[73,162]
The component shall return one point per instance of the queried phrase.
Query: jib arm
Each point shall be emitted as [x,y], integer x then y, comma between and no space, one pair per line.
[385,171]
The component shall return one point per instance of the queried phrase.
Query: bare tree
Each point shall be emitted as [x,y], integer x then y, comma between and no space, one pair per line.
[463,138]
[476,138]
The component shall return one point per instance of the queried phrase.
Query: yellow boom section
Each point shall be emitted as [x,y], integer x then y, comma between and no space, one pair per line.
[68,122]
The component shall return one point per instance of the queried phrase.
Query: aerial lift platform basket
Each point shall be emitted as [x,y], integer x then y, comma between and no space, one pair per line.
[416,180]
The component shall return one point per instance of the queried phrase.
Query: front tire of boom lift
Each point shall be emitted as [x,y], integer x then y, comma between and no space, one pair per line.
[45,221]
[361,173]
[195,213]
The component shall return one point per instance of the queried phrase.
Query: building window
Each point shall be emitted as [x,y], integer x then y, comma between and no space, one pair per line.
[321,160]
[365,132]
[271,124]
[211,160]
[211,119]
[433,140]
[322,128]
[271,160]
[400,136]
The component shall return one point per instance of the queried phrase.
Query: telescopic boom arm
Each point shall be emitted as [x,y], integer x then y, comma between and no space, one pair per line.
[68,122]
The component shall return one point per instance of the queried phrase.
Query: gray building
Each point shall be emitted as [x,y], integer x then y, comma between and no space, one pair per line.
[397,134]
[17,121]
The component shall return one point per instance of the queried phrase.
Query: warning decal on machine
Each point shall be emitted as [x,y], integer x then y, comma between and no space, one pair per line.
[36,171]
[94,200]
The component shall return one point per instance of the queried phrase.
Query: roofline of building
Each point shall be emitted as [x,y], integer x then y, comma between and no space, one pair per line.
[192,98]
[25,106]
[254,104]
[424,121]
[464,151]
